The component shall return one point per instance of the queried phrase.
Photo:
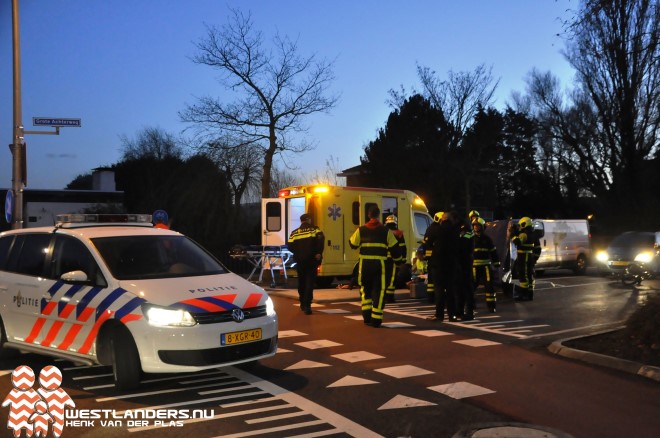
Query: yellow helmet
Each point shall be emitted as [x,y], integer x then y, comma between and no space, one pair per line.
[474,213]
[479,221]
[438,216]
[525,222]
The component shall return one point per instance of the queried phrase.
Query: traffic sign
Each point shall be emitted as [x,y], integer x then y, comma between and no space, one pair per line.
[9,202]
[52,121]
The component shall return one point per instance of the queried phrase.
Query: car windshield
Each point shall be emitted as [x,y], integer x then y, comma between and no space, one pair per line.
[139,257]
[633,240]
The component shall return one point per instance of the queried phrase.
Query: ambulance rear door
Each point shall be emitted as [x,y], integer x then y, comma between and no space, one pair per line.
[273,222]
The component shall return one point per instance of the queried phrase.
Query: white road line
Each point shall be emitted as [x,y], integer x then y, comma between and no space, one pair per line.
[163,391]
[276,417]
[484,324]
[272,429]
[216,417]
[96,376]
[615,325]
[527,327]
[343,424]
[211,399]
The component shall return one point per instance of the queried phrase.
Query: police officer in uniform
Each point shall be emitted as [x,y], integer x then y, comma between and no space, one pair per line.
[528,251]
[306,244]
[485,257]
[376,243]
[392,223]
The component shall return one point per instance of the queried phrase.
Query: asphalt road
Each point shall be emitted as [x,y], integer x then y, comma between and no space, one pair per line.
[334,376]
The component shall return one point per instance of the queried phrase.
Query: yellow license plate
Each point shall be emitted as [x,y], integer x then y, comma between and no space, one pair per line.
[619,263]
[240,337]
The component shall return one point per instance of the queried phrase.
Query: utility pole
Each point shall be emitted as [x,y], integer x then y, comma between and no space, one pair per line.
[17,147]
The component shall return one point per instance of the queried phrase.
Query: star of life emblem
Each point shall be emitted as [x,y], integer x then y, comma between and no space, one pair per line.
[334,212]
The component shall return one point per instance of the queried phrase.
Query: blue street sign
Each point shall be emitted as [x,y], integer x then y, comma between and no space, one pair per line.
[52,121]
[9,202]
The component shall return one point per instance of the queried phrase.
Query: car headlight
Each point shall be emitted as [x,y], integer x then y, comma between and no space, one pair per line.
[602,256]
[167,317]
[270,307]
[644,257]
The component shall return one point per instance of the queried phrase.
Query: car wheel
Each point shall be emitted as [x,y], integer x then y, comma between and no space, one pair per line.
[580,265]
[126,366]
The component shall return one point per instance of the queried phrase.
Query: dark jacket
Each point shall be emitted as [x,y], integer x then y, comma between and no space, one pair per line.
[305,242]
[444,240]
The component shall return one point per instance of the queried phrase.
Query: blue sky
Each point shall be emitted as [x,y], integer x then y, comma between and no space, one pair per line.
[123,65]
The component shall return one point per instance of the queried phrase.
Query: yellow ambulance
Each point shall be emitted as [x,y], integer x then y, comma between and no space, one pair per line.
[338,211]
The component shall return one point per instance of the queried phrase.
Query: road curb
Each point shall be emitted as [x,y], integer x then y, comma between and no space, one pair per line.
[509,429]
[624,365]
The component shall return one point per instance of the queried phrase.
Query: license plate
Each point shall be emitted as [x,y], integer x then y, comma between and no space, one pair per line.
[240,337]
[619,263]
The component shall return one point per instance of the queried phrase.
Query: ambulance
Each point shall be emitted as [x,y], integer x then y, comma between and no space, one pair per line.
[338,211]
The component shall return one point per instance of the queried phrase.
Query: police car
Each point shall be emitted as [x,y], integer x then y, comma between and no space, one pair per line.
[114,290]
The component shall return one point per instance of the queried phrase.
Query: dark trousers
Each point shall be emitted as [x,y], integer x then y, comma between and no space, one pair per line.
[483,274]
[306,279]
[444,279]
[465,304]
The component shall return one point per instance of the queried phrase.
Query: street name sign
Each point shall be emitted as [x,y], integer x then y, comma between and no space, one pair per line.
[53,121]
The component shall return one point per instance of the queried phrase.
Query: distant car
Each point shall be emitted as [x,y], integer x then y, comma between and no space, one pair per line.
[114,290]
[639,246]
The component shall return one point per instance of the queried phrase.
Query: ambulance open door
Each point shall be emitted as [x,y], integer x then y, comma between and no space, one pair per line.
[367,201]
[273,222]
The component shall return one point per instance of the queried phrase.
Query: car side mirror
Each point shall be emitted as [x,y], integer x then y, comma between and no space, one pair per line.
[74,277]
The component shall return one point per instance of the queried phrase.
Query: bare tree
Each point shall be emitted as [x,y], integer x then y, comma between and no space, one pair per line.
[329,174]
[240,164]
[150,142]
[460,96]
[614,45]
[274,90]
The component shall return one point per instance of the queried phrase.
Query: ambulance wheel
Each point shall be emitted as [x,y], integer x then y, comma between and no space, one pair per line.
[324,282]
[126,367]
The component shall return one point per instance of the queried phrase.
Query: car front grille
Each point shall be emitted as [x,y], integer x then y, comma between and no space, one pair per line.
[225,316]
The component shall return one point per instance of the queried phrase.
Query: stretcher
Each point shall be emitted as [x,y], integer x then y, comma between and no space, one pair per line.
[272,258]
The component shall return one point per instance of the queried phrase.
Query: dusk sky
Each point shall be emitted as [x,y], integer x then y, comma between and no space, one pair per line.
[124,65]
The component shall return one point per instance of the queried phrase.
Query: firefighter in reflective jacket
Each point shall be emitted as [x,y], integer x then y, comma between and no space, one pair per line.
[428,253]
[392,265]
[376,243]
[484,258]
[528,251]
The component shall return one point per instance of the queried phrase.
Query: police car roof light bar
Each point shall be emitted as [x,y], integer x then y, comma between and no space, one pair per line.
[83,219]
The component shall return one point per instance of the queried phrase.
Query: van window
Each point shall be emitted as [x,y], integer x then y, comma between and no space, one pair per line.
[355,213]
[273,216]
[30,252]
[422,222]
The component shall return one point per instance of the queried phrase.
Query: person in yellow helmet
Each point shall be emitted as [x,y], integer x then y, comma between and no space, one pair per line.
[528,251]
[485,258]
[428,252]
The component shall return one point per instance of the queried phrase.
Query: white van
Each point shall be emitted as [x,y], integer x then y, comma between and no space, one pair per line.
[565,244]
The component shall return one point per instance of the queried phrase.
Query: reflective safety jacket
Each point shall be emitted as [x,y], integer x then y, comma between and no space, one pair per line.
[375,242]
[305,242]
[484,251]
[527,245]
[403,250]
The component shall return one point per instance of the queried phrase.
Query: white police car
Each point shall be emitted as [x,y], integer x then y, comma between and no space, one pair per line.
[114,290]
